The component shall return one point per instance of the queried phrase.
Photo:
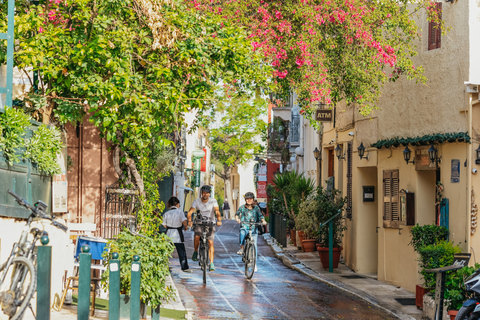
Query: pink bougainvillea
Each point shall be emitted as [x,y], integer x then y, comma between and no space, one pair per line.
[328,50]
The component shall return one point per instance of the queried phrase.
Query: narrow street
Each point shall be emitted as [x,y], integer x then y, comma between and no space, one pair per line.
[274,292]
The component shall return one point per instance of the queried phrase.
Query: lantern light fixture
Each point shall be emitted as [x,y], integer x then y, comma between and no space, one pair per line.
[338,153]
[361,152]
[406,155]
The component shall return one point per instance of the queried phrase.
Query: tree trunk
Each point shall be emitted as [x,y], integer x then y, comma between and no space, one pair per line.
[138,178]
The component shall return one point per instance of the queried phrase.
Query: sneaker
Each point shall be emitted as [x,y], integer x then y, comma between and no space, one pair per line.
[212,267]
[195,256]
[187,270]
[240,252]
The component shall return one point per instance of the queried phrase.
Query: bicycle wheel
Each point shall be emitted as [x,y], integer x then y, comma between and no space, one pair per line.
[201,256]
[250,260]
[205,254]
[18,288]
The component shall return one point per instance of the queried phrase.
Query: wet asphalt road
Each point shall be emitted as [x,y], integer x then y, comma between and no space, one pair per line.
[274,292]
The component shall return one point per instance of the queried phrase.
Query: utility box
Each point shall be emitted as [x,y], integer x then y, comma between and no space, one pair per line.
[368,193]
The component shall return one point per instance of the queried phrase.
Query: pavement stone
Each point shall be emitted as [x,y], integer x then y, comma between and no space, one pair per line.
[364,286]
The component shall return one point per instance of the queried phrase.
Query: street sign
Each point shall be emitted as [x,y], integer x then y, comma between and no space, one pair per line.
[196,164]
[197,178]
[324,115]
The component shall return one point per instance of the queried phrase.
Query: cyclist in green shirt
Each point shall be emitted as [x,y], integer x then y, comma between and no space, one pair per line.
[246,213]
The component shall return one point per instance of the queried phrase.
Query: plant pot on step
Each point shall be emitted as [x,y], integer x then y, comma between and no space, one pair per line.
[309,245]
[324,256]
[452,314]
[420,291]
[301,237]
[293,236]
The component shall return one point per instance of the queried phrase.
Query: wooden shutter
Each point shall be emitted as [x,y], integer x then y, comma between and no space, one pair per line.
[349,180]
[434,32]
[390,199]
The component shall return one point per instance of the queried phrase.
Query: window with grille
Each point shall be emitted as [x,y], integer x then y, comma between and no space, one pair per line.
[434,31]
[390,199]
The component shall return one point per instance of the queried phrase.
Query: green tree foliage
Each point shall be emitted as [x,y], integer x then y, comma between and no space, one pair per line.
[236,132]
[132,67]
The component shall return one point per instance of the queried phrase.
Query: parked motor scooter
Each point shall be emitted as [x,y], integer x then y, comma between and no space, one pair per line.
[471,308]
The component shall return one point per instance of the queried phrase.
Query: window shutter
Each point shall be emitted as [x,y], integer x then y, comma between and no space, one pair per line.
[349,180]
[390,199]
[434,32]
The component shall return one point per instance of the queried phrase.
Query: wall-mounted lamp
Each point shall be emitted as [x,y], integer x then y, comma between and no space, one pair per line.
[361,152]
[477,151]
[338,153]
[316,154]
[299,151]
[293,158]
[433,155]
[406,155]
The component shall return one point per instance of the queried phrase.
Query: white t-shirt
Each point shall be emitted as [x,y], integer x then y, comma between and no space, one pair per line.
[174,218]
[206,209]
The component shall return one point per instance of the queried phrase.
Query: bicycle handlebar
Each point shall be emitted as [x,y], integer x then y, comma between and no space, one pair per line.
[35,211]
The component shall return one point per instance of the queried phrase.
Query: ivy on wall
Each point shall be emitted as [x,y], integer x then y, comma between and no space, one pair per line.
[41,149]
[423,140]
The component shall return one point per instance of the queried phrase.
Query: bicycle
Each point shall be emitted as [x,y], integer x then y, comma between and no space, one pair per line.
[18,277]
[203,248]
[249,255]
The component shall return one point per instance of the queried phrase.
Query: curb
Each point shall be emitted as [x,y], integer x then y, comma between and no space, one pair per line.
[295,264]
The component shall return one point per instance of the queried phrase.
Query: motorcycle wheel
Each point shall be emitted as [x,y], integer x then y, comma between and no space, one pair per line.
[465,313]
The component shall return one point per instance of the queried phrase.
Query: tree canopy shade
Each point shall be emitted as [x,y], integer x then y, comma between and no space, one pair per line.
[134,67]
[238,133]
[330,50]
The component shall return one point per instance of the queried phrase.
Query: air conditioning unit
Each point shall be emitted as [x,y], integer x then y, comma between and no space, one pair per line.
[472,88]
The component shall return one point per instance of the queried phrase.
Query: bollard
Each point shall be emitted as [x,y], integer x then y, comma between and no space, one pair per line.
[114,288]
[84,276]
[135,289]
[156,313]
[44,274]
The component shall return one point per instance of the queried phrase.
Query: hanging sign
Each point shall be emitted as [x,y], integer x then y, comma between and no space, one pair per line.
[197,178]
[203,161]
[261,189]
[324,115]
[196,164]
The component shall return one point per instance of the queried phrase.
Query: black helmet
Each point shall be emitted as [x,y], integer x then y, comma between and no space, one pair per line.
[249,195]
[206,189]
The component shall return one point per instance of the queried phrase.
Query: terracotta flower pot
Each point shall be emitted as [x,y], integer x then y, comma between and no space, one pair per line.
[293,236]
[324,256]
[309,245]
[452,314]
[420,291]
[301,237]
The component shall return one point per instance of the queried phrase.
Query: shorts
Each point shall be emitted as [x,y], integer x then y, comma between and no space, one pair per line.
[199,232]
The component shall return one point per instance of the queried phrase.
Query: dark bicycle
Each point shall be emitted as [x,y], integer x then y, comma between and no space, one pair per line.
[203,249]
[250,251]
[18,277]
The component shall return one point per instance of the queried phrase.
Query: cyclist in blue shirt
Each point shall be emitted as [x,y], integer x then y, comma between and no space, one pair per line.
[246,213]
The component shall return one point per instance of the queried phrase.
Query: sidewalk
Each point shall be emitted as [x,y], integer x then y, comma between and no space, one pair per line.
[364,286]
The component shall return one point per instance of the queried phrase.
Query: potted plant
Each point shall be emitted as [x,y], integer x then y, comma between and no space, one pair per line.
[423,236]
[292,188]
[154,255]
[329,202]
[307,222]
[455,292]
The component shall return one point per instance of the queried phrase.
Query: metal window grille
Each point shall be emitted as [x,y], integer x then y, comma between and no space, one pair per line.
[121,208]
